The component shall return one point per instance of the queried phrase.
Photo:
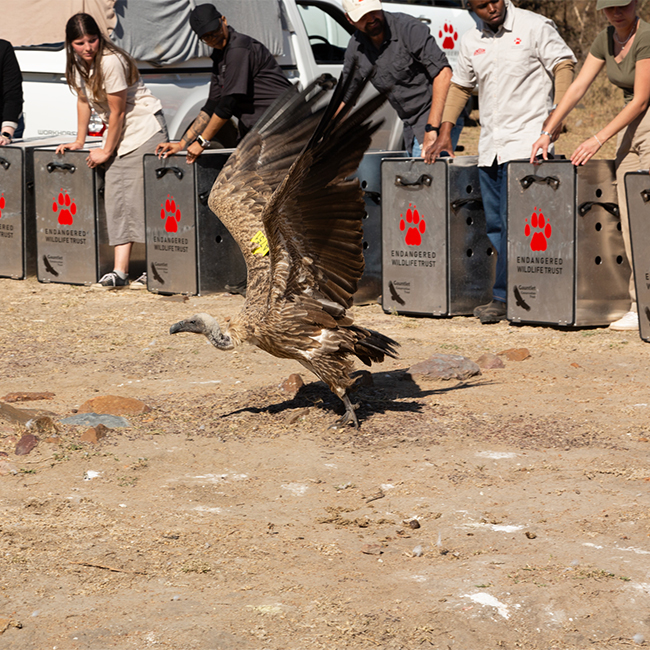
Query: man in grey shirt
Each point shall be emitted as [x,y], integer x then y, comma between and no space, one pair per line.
[409,68]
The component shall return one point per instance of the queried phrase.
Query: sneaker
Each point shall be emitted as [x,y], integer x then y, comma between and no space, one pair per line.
[629,323]
[140,283]
[492,313]
[111,281]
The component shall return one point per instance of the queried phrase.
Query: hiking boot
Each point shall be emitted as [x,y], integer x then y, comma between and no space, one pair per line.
[628,323]
[140,283]
[480,309]
[492,313]
[239,288]
[111,281]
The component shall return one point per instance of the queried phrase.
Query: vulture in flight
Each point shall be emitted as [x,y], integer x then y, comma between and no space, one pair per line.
[287,198]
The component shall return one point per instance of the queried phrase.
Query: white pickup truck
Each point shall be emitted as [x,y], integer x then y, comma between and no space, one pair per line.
[313,37]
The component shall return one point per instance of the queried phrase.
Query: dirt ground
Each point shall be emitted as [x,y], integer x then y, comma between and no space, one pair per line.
[231,516]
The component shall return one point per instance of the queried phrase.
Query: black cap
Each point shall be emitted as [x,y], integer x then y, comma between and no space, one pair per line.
[205,19]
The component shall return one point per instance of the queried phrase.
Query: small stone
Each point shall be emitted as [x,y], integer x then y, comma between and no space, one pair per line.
[530,534]
[515,354]
[43,425]
[444,366]
[414,523]
[292,384]
[371,549]
[417,551]
[114,405]
[363,379]
[53,440]
[4,454]
[638,639]
[26,444]
[26,397]
[7,468]
[490,361]
[94,434]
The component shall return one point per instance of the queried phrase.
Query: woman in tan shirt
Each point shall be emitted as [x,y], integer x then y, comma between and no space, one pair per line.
[624,50]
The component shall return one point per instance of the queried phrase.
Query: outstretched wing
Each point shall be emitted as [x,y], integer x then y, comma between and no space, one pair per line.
[261,162]
[314,219]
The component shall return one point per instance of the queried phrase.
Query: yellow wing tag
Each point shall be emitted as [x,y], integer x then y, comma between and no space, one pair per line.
[262,244]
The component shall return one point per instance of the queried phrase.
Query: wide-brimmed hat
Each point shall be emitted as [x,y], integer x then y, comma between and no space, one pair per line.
[205,19]
[606,4]
[357,9]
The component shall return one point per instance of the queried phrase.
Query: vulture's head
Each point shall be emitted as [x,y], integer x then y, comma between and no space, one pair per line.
[206,325]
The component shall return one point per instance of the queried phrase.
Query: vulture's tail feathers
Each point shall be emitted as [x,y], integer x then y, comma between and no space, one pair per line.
[373,346]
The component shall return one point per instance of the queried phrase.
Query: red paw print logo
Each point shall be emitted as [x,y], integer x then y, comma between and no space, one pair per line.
[171,214]
[2,204]
[416,226]
[448,35]
[65,207]
[540,229]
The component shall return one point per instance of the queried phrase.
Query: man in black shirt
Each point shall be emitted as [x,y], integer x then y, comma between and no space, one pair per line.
[11,93]
[409,68]
[246,80]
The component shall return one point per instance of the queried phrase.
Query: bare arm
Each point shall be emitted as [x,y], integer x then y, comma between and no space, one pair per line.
[117,108]
[211,129]
[576,91]
[193,131]
[439,93]
[83,119]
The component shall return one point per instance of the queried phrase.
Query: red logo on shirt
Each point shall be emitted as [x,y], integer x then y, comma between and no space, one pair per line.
[448,35]
[479,51]
[517,41]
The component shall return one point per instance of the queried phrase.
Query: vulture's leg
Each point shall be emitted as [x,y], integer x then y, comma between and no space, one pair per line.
[349,416]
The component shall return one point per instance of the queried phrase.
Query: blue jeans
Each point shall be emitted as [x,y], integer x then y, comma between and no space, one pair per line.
[416,152]
[494,191]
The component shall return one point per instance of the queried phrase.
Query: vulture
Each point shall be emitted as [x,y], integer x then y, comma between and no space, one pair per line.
[287,198]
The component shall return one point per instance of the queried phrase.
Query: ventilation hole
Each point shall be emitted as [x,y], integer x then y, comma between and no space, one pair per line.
[364,184]
[218,239]
[365,215]
[618,226]
[365,245]
[598,260]
[619,259]
[490,252]
[469,189]
[469,221]
[598,226]
[469,252]
[599,192]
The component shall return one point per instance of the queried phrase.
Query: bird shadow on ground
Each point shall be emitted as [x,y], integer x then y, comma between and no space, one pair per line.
[393,391]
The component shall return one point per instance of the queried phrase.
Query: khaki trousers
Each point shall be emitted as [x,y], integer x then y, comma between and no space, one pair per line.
[632,154]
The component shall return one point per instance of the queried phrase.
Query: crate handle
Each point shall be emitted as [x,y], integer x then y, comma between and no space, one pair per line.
[551,181]
[5,163]
[612,208]
[161,171]
[204,196]
[645,195]
[424,179]
[457,205]
[375,197]
[64,167]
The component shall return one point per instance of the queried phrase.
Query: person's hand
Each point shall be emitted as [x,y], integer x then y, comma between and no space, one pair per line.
[165,149]
[586,151]
[428,145]
[97,157]
[193,152]
[69,146]
[543,143]
[4,141]
[442,143]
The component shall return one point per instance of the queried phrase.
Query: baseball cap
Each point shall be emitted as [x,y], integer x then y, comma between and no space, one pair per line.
[205,19]
[356,9]
[605,4]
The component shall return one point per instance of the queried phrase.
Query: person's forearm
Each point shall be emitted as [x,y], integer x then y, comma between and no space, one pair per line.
[457,98]
[115,127]
[195,129]
[439,93]
[83,120]
[214,126]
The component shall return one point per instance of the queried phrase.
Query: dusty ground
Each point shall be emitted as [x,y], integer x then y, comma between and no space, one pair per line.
[230,516]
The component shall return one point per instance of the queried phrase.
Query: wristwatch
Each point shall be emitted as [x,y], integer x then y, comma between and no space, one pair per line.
[9,137]
[205,144]
[429,127]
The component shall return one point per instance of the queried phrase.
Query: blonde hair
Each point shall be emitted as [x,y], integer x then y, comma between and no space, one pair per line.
[77,27]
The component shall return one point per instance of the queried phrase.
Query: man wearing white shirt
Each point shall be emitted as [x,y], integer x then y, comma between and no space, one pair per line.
[521,67]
